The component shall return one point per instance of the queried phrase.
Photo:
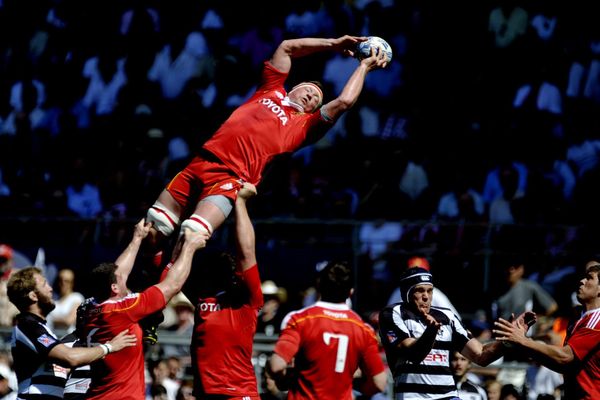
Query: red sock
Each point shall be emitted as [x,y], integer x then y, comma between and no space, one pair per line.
[157,259]
[164,272]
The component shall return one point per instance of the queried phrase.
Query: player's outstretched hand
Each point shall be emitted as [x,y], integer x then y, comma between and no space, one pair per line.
[510,332]
[142,229]
[375,61]
[524,321]
[248,190]
[347,44]
[122,340]
[195,240]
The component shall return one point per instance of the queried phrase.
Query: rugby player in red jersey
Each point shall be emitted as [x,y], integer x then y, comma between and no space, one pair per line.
[327,343]
[227,303]
[120,375]
[579,358]
[272,122]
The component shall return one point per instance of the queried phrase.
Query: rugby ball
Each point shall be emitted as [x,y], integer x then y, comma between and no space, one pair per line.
[363,49]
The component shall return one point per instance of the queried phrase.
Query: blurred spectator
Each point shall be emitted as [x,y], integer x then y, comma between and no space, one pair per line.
[185,391]
[522,294]
[160,377]
[64,315]
[493,389]
[509,392]
[180,60]
[493,187]
[83,196]
[8,311]
[467,389]
[8,382]
[272,312]
[507,22]
[377,240]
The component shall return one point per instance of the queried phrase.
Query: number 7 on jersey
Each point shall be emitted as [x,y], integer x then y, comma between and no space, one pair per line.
[342,349]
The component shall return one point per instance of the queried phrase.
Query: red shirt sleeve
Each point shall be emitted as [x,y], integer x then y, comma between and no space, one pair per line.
[289,342]
[583,341]
[251,278]
[371,363]
[149,301]
[272,78]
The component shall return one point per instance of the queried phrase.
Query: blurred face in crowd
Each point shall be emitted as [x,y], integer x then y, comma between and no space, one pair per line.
[493,390]
[460,365]
[66,279]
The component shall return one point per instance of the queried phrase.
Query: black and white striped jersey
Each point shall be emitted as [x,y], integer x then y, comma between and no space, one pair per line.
[432,377]
[31,343]
[468,390]
[80,378]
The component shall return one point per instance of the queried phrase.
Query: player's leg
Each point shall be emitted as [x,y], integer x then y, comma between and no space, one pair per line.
[209,215]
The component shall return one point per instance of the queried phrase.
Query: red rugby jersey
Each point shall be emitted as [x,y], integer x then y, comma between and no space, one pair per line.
[120,375]
[262,128]
[584,341]
[328,342]
[222,341]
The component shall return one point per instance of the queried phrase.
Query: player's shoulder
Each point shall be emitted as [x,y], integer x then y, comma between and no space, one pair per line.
[119,304]
[591,319]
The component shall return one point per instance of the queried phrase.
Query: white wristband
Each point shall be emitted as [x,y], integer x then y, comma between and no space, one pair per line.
[105,349]
[108,347]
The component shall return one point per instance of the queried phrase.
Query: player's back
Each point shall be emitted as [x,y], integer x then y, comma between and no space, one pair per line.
[333,342]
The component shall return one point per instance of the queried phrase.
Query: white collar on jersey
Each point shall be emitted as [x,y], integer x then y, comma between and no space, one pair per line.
[333,306]
[287,102]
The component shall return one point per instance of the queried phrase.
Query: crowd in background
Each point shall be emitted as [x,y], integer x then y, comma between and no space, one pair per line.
[488,113]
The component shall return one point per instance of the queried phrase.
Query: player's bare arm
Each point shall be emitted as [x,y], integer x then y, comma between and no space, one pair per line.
[244,231]
[555,357]
[484,354]
[73,357]
[180,270]
[336,107]
[127,258]
[292,48]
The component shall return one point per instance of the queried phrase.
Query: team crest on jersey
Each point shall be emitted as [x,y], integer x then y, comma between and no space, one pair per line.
[391,336]
[46,340]
[227,186]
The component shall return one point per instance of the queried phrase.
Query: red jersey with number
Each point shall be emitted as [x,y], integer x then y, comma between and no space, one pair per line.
[328,342]
[223,337]
[584,340]
[264,127]
[120,375]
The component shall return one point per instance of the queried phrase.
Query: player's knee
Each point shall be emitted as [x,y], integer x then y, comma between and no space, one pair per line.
[196,223]
[164,220]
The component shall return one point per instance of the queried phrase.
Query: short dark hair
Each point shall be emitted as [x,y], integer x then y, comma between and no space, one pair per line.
[101,279]
[335,282]
[20,284]
[593,267]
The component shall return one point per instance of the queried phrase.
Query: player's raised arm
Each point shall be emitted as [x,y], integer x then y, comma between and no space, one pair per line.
[126,260]
[353,88]
[180,270]
[244,231]
[293,48]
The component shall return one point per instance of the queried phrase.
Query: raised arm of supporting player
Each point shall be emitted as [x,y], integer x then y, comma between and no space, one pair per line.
[244,231]
[180,270]
[127,258]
